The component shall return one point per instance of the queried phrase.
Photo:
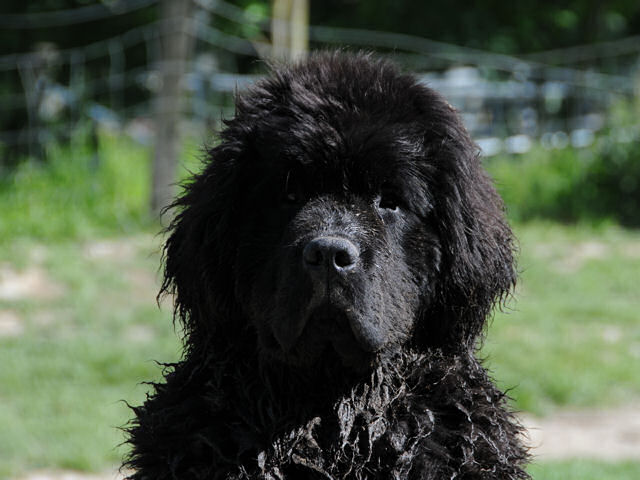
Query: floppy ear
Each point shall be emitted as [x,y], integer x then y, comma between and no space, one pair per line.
[478,268]
[198,252]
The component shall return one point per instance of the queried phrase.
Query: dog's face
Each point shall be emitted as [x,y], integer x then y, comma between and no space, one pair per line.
[336,254]
[344,214]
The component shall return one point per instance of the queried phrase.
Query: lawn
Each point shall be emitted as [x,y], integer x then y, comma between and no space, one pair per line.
[81,331]
[80,336]
[585,470]
[571,335]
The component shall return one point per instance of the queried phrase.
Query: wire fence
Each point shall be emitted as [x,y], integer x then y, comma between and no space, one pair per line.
[555,98]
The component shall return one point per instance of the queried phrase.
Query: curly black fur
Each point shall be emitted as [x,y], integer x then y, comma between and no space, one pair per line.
[359,369]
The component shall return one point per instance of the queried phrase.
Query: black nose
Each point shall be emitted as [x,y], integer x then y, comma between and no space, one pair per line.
[333,253]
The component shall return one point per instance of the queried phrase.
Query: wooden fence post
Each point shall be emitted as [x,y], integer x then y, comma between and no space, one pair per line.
[290,29]
[175,46]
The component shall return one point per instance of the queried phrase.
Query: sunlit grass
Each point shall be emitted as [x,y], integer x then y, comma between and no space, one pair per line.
[80,193]
[571,340]
[571,337]
[77,192]
[88,333]
[585,470]
[83,349]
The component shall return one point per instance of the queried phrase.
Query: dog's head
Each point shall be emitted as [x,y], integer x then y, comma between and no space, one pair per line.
[344,213]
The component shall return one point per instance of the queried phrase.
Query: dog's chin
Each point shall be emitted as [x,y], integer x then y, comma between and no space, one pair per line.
[325,344]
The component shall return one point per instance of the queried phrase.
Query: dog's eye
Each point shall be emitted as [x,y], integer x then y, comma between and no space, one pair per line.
[388,201]
[290,197]
[292,190]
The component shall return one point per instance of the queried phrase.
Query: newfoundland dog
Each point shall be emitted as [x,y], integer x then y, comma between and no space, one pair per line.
[333,267]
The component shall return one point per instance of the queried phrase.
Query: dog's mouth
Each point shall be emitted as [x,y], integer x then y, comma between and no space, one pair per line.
[326,336]
[331,326]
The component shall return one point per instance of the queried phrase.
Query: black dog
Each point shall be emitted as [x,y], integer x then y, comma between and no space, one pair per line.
[333,267]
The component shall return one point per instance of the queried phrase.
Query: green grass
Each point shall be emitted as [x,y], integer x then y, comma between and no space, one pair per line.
[594,184]
[89,330]
[585,470]
[572,335]
[536,185]
[571,340]
[86,345]
[78,193]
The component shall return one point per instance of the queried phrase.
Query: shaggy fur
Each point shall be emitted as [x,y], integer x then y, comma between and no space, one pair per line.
[333,267]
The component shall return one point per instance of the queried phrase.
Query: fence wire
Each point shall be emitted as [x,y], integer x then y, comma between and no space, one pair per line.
[509,103]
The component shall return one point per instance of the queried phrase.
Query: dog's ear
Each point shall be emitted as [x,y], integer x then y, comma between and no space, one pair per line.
[477,270]
[200,246]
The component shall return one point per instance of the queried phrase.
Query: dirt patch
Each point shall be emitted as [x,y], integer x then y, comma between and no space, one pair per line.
[139,334]
[144,285]
[631,250]
[580,253]
[30,283]
[10,324]
[119,250]
[610,435]
[69,475]
[570,260]
[38,254]
[612,334]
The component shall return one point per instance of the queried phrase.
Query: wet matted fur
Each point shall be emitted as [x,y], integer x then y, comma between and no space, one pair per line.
[333,267]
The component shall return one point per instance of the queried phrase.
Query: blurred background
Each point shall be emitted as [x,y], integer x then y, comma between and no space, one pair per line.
[107,104]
